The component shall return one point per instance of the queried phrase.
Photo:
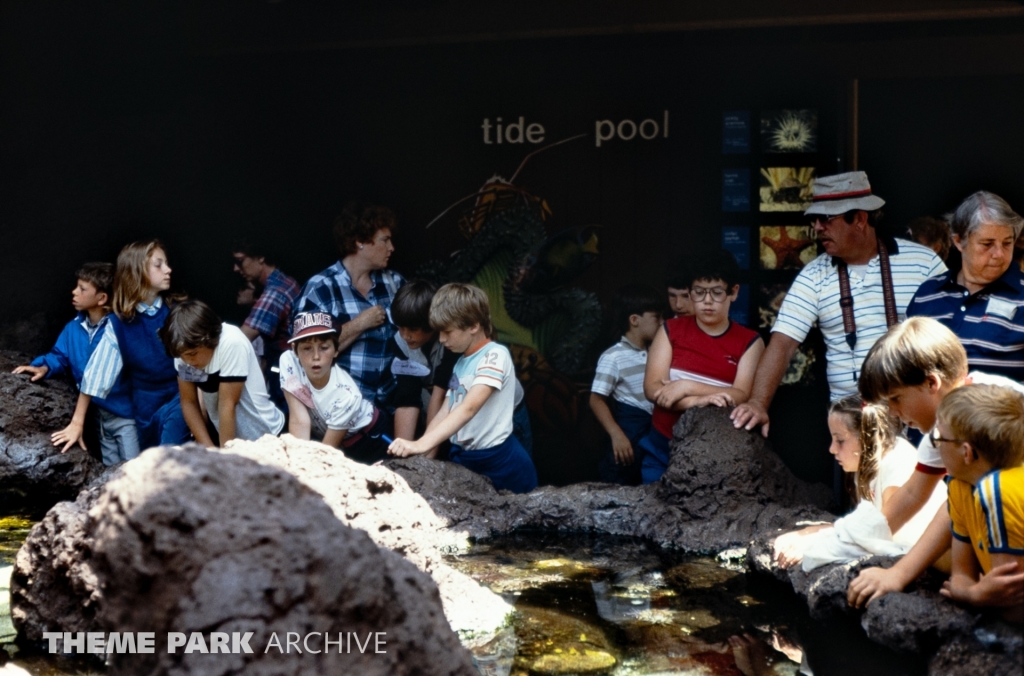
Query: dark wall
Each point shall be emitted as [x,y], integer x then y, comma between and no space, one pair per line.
[115,130]
[114,127]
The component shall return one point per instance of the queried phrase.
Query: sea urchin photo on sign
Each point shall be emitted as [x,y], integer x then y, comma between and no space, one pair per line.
[789,131]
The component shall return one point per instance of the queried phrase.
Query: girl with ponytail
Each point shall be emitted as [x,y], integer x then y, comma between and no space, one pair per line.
[866,443]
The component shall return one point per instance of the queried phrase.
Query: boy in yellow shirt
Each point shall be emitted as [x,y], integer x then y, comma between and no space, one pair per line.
[979,432]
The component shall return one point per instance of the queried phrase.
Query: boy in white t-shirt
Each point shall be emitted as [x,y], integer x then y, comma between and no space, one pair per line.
[912,368]
[481,395]
[218,360]
[324,402]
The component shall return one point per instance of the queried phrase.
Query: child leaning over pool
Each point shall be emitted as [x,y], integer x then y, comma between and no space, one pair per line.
[866,443]
[324,402]
[218,360]
[481,395]
[979,433]
[118,437]
[913,367]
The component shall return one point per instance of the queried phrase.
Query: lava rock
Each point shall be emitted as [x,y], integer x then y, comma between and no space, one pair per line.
[32,470]
[380,502]
[722,485]
[918,622]
[187,540]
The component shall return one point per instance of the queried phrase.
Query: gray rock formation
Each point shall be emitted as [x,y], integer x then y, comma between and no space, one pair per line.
[722,485]
[191,541]
[919,621]
[380,502]
[31,469]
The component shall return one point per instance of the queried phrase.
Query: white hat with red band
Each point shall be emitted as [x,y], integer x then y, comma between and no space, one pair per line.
[837,194]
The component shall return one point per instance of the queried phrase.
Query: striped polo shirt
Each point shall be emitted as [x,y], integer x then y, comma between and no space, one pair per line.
[814,299]
[620,373]
[989,323]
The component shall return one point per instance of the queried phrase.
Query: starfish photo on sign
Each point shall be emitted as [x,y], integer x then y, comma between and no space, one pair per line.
[786,247]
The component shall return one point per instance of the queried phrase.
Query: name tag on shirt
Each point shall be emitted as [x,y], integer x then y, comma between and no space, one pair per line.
[408,367]
[190,374]
[1000,307]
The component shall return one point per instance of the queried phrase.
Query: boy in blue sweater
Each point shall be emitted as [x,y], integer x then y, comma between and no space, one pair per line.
[117,434]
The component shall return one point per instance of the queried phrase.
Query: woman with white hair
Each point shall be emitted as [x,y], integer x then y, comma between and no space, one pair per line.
[983,301]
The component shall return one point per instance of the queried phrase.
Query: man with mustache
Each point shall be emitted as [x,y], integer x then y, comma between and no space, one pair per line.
[859,287]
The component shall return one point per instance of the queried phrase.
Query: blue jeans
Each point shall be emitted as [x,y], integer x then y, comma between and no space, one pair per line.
[119,440]
[507,465]
[656,453]
[521,428]
[635,423]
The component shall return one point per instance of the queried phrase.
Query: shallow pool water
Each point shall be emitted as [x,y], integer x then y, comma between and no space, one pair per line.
[603,605]
[620,606]
[624,607]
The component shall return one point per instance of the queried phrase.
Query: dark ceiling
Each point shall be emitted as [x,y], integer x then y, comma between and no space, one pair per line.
[247,25]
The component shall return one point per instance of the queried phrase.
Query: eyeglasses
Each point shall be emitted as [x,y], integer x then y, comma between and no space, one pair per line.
[824,219]
[937,438]
[718,294]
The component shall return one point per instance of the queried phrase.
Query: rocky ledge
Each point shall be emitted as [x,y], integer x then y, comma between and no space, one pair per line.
[722,486]
[954,640]
[32,471]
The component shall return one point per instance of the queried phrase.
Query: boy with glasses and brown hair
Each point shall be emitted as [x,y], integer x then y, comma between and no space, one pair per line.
[702,359]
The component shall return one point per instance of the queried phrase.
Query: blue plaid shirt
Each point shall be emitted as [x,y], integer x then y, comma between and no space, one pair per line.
[368,359]
[271,314]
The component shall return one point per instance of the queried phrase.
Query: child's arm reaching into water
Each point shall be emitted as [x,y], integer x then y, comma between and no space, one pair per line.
[445,424]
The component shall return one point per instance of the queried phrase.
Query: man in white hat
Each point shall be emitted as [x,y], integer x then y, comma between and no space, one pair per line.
[859,287]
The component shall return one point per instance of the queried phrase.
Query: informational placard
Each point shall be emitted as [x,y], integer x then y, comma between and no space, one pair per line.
[736,132]
[736,189]
[739,310]
[736,240]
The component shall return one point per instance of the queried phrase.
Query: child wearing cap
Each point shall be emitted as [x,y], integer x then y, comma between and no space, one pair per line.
[324,402]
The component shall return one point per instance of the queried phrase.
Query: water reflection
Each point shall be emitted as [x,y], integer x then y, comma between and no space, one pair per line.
[619,606]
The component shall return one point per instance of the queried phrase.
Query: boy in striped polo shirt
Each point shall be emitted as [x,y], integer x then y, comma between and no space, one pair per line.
[617,394]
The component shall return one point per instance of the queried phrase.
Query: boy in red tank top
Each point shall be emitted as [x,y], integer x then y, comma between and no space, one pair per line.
[699,360]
